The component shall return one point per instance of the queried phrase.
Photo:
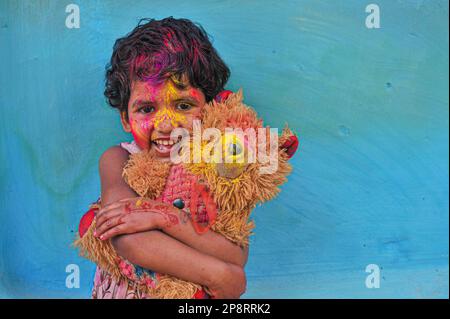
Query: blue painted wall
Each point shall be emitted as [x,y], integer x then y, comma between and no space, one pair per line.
[371,106]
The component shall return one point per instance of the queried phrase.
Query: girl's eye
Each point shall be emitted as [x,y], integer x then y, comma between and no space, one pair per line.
[184,106]
[146,109]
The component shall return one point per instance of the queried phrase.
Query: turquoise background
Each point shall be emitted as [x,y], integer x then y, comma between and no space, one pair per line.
[370,182]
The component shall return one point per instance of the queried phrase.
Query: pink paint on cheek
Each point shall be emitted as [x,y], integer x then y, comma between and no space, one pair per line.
[142,132]
[147,125]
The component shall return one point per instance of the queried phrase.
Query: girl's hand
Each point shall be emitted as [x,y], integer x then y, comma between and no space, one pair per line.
[133,215]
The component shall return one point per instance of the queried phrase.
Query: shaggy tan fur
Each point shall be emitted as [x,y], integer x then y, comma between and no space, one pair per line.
[235,197]
[146,175]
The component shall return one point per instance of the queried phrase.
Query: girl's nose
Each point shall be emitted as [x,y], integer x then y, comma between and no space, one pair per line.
[165,126]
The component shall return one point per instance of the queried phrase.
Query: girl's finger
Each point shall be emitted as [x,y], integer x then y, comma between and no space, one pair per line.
[129,199]
[110,223]
[117,230]
[107,217]
[109,207]
[116,204]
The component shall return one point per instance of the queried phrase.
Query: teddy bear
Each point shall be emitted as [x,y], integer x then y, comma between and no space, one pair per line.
[217,181]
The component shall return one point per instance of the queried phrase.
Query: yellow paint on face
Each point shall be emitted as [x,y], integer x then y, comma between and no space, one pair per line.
[170,94]
[166,113]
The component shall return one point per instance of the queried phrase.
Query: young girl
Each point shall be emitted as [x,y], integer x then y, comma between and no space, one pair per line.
[160,77]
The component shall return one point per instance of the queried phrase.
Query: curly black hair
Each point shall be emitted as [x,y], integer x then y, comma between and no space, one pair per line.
[159,49]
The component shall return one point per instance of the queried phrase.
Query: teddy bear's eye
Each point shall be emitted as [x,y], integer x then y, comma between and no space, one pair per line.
[234,149]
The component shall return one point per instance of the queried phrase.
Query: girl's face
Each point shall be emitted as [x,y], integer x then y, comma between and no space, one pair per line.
[154,110]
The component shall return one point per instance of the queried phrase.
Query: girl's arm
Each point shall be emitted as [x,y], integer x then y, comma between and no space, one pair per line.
[161,253]
[114,188]
[134,215]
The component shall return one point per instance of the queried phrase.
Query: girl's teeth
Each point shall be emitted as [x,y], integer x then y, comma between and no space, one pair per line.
[165,142]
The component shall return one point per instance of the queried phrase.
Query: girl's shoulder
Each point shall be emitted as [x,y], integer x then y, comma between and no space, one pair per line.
[116,155]
[119,152]
[113,154]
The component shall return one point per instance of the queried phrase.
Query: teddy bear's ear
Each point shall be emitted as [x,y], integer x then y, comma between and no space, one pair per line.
[222,96]
[87,219]
[289,142]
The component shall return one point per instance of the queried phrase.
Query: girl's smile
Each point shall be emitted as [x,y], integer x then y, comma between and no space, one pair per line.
[163,145]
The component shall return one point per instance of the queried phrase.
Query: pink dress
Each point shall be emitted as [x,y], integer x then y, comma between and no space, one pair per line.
[178,185]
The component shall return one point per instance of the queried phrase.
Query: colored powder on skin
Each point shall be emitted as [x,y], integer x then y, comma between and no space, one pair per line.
[195,94]
[142,131]
[174,117]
